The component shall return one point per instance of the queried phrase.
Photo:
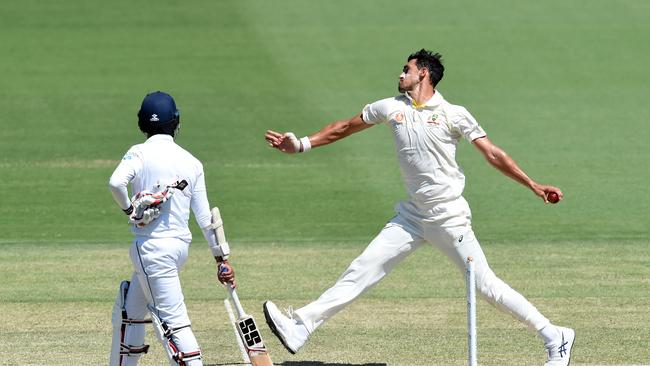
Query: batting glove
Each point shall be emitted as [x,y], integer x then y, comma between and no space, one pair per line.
[146,206]
[147,216]
[225,274]
[148,199]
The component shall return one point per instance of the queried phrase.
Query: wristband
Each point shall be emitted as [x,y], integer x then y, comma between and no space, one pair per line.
[305,144]
[129,210]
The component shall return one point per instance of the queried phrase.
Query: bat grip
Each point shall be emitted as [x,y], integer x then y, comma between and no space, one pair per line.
[235,299]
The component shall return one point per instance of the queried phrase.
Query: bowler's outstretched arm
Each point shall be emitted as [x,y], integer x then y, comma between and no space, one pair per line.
[499,159]
[287,142]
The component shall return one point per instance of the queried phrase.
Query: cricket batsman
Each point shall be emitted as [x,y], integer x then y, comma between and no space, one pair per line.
[426,129]
[167,181]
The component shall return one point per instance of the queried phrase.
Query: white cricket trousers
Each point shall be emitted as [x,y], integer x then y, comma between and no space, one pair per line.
[447,227]
[155,281]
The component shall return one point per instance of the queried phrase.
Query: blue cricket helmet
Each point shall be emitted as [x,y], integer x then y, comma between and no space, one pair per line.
[158,114]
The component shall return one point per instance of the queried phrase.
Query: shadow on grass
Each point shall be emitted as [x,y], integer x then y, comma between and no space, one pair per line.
[304,363]
[318,363]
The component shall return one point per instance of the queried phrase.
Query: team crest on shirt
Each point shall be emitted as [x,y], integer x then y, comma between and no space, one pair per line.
[399,117]
[433,119]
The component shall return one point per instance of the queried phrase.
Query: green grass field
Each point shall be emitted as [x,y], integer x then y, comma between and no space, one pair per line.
[562,86]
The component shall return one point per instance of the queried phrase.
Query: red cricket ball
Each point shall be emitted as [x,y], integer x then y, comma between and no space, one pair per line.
[552,197]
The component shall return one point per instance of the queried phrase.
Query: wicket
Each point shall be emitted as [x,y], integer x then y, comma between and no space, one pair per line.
[471,313]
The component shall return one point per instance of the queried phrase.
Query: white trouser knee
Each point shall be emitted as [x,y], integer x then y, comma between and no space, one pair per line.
[506,299]
[459,242]
[383,254]
[490,287]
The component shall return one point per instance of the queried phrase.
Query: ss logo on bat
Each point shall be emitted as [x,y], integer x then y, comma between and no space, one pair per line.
[249,330]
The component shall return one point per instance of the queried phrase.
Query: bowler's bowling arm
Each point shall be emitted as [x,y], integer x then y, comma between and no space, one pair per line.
[499,159]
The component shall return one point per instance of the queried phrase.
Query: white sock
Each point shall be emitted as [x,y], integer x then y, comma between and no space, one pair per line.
[549,333]
[309,326]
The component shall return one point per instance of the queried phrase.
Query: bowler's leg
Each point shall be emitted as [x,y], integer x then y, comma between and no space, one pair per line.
[489,286]
[459,243]
[393,244]
[383,254]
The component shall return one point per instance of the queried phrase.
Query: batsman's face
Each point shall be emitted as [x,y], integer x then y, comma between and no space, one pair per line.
[410,77]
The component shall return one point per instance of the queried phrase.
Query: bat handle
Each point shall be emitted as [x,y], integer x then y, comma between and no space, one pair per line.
[235,299]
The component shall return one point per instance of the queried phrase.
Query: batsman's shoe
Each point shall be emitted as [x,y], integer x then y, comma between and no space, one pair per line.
[559,354]
[292,333]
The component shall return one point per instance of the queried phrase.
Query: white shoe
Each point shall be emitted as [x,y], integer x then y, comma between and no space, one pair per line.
[292,333]
[559,354]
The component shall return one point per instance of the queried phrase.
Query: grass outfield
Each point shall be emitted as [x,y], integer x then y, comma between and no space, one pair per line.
[416,316]
[562,86]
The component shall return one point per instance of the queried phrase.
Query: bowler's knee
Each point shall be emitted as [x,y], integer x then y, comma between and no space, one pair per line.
[489,285]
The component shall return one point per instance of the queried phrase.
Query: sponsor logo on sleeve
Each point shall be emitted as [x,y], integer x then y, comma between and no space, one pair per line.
[398,117]
[130,155]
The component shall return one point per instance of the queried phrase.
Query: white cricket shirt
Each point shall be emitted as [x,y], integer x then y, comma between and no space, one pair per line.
[425,138]
[152,166]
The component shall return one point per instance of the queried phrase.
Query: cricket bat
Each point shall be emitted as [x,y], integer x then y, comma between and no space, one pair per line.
[249,334]
[245,324]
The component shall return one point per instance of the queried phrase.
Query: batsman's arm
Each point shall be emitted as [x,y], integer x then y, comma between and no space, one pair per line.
[118,183]
[130,165]
[221,251]
[210,225]
[499,159]
[287,142]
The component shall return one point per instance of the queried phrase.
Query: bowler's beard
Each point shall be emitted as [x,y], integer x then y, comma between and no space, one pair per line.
[404,89]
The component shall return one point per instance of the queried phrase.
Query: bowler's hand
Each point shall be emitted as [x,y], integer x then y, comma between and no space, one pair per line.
[543,191]
[225,274]
[286,142]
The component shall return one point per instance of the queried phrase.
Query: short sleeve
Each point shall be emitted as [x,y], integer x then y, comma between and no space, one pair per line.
[377,112]
[467,125]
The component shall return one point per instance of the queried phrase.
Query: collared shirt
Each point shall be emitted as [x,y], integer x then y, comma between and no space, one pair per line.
[425,138]
[152,166]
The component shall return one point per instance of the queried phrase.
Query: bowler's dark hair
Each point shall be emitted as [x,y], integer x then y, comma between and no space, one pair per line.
[432,61]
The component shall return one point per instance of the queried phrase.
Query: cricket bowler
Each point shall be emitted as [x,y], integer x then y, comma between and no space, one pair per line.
[167,181]
[426,129]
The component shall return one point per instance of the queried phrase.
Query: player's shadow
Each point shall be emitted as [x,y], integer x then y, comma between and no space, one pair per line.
[305,363]
[318,363]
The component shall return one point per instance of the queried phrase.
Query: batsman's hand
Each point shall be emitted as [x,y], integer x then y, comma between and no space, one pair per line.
[226,274]
[146,199]
[286,142]
[146,206]
[145,217]
[543,191]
